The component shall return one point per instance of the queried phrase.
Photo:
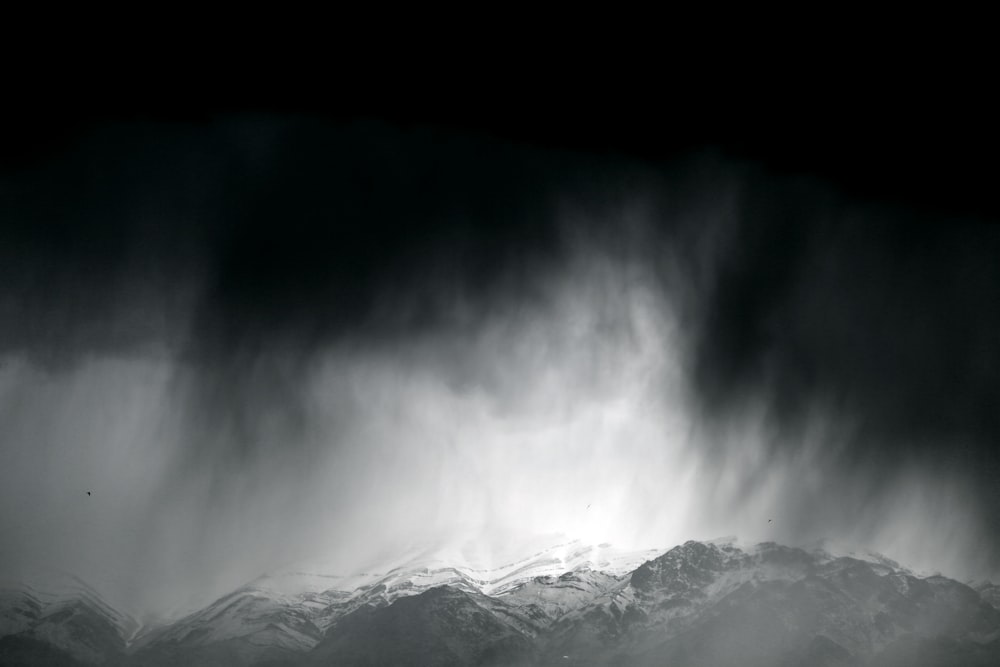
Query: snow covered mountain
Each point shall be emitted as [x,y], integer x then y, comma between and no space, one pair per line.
[700,603]
[278,616]
[58,615]
[989,592]
[719,604]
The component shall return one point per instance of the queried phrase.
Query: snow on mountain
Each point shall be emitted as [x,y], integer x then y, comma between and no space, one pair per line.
[715,603]
[989,592]
[463,567]
[443,567]
[292,609]
[248,612]
[544,599]
[826,549]
[440,626]
[718,602]
[63,611]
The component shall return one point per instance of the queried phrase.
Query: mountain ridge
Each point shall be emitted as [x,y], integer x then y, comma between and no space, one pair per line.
[712,602]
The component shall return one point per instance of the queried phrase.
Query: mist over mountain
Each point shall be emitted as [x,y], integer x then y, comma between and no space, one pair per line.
[715,602]
[312,341]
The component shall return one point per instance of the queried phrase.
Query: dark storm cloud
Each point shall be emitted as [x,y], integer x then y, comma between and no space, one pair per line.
[887,311]
[328,217]
[886,314]
[264,334]
[289,226]
[100,243]
[248,244]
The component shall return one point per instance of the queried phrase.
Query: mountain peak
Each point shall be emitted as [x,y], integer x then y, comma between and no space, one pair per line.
[714,602]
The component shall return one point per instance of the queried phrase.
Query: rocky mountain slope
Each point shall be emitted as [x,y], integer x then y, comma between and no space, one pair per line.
[59,617]
[771,605]
[279,616]
[697,604]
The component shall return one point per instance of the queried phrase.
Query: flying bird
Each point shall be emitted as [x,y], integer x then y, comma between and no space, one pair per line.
[769,521]
[88,493]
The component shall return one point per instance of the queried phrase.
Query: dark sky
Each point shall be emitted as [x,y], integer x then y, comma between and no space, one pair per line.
[306,327]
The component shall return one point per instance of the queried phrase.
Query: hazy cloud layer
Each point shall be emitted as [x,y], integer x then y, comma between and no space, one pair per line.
[259,341]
